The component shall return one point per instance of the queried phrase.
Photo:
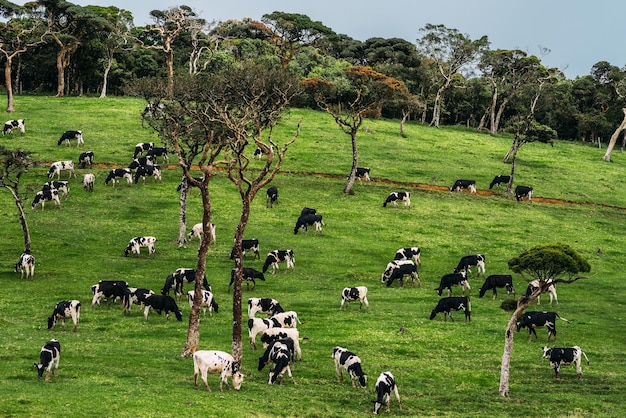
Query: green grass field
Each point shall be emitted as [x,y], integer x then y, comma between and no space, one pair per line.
[119,365]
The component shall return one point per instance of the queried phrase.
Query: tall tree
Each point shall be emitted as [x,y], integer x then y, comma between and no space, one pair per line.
[14,165]
[549,264]
[449,51]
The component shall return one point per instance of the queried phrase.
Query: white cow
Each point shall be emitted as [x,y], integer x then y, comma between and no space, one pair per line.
[213,361]
[197,231]
[136,243]
[88,181]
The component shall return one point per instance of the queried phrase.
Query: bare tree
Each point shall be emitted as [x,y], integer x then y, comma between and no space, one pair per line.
[14,164]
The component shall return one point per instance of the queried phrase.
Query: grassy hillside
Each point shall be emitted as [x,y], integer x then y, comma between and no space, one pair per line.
[119,365]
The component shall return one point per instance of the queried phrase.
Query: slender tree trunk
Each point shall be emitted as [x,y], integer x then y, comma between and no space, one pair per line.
[22,215]
[515,147]
[496,124]
[492,110]
[105,78]
[9,83]
[405,115]
[61,72]
[437,107]
[355,161]
[237,347]
[182,215]
[620,128]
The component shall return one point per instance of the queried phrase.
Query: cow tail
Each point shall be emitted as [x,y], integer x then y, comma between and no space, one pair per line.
[560,317]
[583,353]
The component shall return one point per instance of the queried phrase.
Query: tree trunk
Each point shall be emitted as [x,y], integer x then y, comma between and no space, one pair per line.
[437,107]
[22,215]
[405,115]
[237,347]
[9,83]
[61,72]
[620,128]
[105,78]
[496,123]
[492,110]
[182,216]
[355,161]
[515,147]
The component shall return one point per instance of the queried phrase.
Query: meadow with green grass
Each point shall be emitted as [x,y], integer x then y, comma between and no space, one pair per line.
[118,365]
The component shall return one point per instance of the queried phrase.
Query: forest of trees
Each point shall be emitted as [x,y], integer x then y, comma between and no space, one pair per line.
[55,46]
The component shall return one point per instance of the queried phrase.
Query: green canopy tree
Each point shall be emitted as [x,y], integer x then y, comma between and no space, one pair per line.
[549,264]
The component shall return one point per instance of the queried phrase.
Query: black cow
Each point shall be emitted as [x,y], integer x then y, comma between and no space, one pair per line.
[277,256]
[464,184]
[49,357]
[498,180]
[497,280]
[453,279]
[453,303]
[119,173]
[63,310]
[304,221]
[396,197]
[69,135]
[363,173]
[158,152]
[350,362]
[565,356]
[397,269]
[477,260]
[533,319]
[13,124]
[85,158]
[279,352]
[177,279]
[307,211]
[162,303]
[248,245]
[385,384]
[109,290]
[142,147]
[523,191]
[272,196]
[264,305]
[249,275]
[409,253]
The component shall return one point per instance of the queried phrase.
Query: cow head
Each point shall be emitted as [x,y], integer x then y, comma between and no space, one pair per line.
[482,291]
[52,321]
[237,377]
[40,369]
[547,351]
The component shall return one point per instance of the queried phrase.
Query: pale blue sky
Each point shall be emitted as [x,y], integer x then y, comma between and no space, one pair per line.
[578,33]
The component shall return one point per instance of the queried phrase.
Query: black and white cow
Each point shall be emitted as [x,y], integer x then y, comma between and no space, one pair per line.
[26,264]
[498,180]
[280,353]
[271,196]
[259,152]
[453,303]
[363,173]
[155,152]
[46,196]
[136,295]
[473,260]
[266,306]
[117,174]
[258,325]
[63,310]
[109,290]
[288,319]
[532,320]
[208,301]
[551,290]
[88,182]
[497,280]
[409,253]
[307,211]
[464,184]
[146,161]
[249,275]
[385,385]
[523,191]
[136,243]
[49,357]
[396,197]
[273,334]
[304,221]
[58,166]
[397,269]
[62,186]
[14,124]
[153,171]
[352,294]
[162,303]
[85,158]
[185,181]
[453,279]
[198,231]
[177,280]
[279,256]
[213,361]
[248,245]
[565,356]
[351,363]
[69,135]
[142,147]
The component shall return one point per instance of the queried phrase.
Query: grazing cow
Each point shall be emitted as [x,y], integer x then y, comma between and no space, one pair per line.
[565,356]
[142,147]
[498,180]
[208,301]
[46,196]
[49,357]
[69,135]
[307,211]
[158,152]
[135,295]
[497,280]
[62,186]
[523,191]
[153,171]
[13,124]
[464,184]
[177,279]
[397,269]
[26,264]
[396,197]
[532,320]
[288,319]
[119,173]
[266,306]
[249,275]
[162,303]
[109,290]
[213,361]
[141,162]
[453,303]
[57,167]
[474,260]
[271,196]
[259,152]
[277,256]
[85,158]
[136,243]
[363,173]
[453,279]
[248,245]
[279,352]
[348,361]
[88,182]
[198,231]
[551,290]
[352,294]
[184,180]
[63,310]
[304,221]
[409,253]
[385,384]
[258,325]
[273,334]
